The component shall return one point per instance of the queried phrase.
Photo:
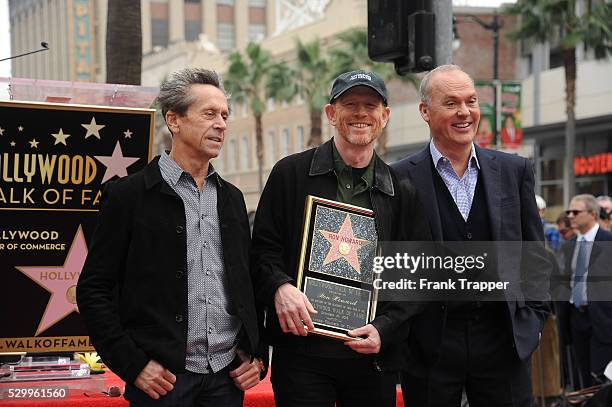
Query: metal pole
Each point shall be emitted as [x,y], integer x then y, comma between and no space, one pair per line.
[536,68]
[495,28]
[443,10]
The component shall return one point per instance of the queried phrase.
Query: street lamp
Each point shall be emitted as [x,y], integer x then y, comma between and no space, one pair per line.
[493,26]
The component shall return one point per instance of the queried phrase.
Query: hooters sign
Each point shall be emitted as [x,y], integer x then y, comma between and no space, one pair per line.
[593,165]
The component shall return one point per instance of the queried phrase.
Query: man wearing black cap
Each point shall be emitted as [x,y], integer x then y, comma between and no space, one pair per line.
[311,370]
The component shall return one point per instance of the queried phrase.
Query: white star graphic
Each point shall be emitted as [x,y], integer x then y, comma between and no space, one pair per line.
[127,133]
[33,143]
[1,131]
[60,137]
[20,128]
[12,144]
[116,164]
[93,129]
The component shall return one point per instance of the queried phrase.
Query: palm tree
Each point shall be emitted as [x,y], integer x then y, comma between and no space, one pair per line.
[309,77]
[353,54]
[245,82]
[549,20]
[123,42]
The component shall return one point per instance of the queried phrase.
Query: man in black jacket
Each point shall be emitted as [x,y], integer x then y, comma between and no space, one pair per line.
[310,370]
[165,291]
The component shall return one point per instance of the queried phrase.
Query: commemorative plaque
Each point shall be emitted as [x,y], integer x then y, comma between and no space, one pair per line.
[339,243]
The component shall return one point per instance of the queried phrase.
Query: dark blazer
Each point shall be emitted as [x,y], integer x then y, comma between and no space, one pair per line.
[132,292]
[599,295]
[277,234]
[508,182]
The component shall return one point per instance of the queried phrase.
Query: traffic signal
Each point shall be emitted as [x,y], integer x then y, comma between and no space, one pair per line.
[402,32]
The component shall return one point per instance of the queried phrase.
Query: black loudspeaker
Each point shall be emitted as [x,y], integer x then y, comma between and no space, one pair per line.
[402,32]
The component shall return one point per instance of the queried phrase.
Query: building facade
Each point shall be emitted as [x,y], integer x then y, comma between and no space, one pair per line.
[178,33]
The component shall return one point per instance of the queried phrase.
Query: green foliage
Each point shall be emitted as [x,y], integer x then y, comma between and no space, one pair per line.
[549,20]
[246,75]
[313,74]
[351,53]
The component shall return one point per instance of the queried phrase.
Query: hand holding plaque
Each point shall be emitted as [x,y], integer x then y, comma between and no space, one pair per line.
[335,270]
[293,310]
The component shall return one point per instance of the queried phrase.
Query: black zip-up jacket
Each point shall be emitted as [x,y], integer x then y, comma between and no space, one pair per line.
[132,292]
[277,235]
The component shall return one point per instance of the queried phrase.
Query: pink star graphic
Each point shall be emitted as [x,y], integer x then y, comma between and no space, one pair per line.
[60,282]
[344,245]
[116,164]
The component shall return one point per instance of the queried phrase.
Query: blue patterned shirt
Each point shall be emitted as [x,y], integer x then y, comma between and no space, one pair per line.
[461,188]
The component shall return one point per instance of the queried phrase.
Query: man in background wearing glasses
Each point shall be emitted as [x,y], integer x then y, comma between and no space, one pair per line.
[588,264]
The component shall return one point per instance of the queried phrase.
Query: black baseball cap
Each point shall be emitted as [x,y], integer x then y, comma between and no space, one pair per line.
[349,80]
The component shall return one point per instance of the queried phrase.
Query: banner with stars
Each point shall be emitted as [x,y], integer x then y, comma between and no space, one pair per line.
[54,162]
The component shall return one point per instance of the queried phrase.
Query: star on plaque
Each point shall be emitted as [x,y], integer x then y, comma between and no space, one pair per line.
[1,131]
[60,137]
[33,143]
[344,245]
[127,133]
[20,128]
[116,164]
[93,129]
[60,282]
[12,144]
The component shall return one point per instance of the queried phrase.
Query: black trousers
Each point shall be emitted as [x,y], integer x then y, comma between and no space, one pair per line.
[476,354]
[302,380]
[582,332]
[193,389]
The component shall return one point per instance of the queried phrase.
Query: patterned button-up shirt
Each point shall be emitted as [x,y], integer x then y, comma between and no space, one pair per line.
[461,188]
[213,326]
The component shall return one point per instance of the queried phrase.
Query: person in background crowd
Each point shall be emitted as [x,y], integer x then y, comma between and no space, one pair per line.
[565,227]
[605,203]
[587,266]
[475,194]
[551,234]
[166,291]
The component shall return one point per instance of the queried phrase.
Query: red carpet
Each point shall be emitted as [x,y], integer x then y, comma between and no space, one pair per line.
[88,394]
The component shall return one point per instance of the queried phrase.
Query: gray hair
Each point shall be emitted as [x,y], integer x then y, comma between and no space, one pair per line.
[424,87]
[175,92]
[540,202]
[589,202]
[604,198]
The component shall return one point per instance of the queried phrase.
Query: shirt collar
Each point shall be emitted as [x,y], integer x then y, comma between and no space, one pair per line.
[436,155]
[323,162]
[340,166]
[174,171]
[590,235]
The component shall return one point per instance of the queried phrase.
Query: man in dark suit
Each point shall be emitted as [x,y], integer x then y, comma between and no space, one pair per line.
[166,292]
[474,194]
[588,269]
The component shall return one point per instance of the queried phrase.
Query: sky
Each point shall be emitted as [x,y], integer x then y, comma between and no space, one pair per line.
[5,44]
